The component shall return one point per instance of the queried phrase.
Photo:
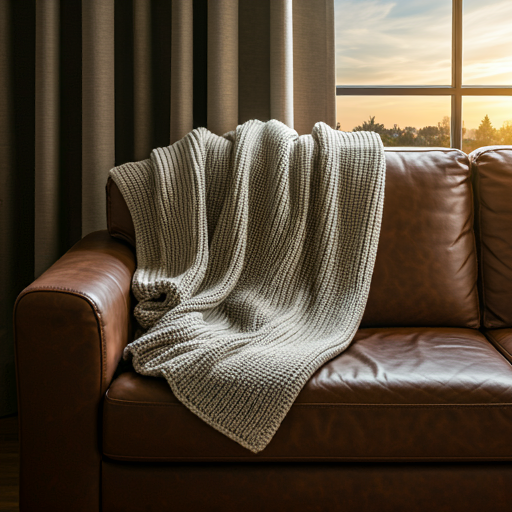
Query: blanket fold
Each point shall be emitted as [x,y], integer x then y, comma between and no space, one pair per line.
[255,252]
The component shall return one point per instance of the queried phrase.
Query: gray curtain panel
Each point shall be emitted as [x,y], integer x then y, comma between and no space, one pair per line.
[89,84]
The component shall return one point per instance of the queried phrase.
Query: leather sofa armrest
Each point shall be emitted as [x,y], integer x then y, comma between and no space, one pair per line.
[71,326]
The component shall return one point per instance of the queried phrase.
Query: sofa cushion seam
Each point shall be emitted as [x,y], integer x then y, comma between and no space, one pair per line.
[278,458]
[495,342]
[128,403]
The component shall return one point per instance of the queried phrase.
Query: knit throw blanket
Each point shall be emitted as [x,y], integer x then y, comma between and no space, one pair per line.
[255,252]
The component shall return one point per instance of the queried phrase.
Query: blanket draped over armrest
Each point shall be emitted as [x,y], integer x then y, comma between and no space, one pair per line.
[255,254]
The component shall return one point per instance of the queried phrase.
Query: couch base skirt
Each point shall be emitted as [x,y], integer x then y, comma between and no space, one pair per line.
[278,487]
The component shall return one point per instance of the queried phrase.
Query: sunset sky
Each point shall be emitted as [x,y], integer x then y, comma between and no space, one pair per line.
[408,42]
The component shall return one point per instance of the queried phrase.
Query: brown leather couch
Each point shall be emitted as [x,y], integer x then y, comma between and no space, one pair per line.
[415,416]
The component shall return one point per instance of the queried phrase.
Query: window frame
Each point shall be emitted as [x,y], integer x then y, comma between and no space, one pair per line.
[456,90]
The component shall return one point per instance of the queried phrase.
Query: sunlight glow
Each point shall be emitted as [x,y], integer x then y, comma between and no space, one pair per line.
[475,108]
[416,111]
[408,42]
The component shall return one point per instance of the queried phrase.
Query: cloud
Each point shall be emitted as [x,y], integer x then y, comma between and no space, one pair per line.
[408,42]
[393,42]
[487,43]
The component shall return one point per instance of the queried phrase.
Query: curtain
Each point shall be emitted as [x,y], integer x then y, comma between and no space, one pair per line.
[89,84]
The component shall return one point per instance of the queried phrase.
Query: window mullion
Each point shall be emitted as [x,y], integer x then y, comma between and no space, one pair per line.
[456,119]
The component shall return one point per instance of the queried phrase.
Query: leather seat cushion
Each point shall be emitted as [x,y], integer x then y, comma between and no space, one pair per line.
[394,394]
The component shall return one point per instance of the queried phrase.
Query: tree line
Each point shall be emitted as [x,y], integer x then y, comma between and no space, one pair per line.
[484,135]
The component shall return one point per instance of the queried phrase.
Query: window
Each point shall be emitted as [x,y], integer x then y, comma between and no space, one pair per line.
[435,73]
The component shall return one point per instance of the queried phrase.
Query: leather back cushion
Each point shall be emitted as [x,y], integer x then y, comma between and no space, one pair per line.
[426,269]
[492,171]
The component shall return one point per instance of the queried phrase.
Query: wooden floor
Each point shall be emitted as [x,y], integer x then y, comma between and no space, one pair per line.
[9,464]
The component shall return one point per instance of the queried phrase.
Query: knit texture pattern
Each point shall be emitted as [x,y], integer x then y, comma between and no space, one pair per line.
[255,252]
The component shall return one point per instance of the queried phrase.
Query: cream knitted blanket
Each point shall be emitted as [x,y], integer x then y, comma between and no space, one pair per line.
[255,252]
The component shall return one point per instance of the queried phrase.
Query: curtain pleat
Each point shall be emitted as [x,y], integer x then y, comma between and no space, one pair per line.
[89,84]
[161,62]
[200,66]
[142,122]
[98,109]
[6,161]
[286,62]
[182,69]
[7,217]
[47,135]
[124,82]
[253,60]
[314,89]
[281,61]
[17,162]
[70,133]
[222,66]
